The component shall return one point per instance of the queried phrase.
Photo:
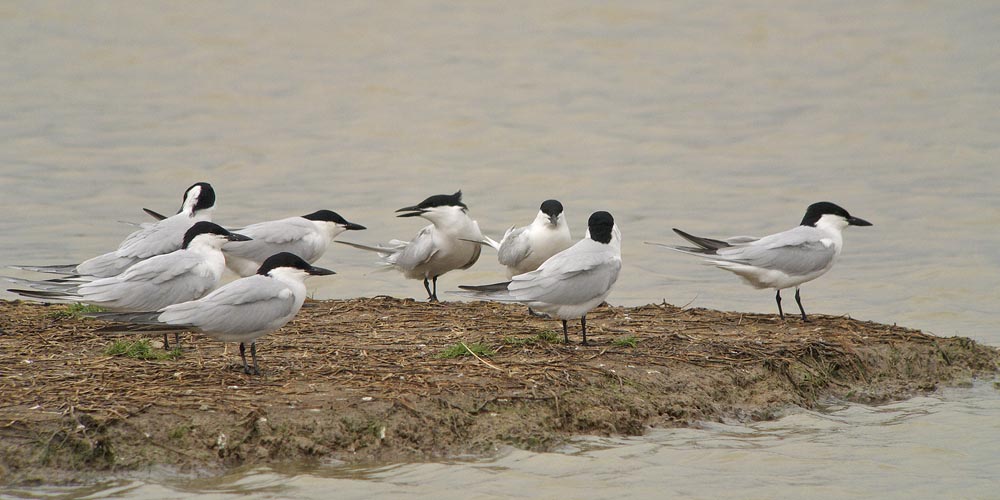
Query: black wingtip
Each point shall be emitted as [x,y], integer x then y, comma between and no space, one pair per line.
[37,294]
[705,245]
[154,214]
[495,287]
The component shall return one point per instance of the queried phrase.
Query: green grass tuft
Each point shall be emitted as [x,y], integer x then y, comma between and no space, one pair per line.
[139,349]
[75,311]
[520,341]
[629,341]
[459,350]
[549,336]
[179,432]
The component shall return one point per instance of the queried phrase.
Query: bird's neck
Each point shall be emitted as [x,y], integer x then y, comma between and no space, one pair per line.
[200,215]
[833,232]
[459,225]
[328,230]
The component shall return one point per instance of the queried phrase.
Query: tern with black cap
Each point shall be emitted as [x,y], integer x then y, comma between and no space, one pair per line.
[781,260]
[308,236]
[523,249]
[153,239]
[570,283]
[240,311]
[448,243]
[185,274]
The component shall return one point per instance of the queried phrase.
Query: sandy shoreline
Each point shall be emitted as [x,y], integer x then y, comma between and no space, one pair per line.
[363,380]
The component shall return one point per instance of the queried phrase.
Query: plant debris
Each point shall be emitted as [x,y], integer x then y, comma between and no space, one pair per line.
[364,380]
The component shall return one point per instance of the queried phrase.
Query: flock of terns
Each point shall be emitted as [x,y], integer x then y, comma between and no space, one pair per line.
[164,277]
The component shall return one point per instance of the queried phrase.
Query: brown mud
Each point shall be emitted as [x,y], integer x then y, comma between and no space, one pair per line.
[364,381]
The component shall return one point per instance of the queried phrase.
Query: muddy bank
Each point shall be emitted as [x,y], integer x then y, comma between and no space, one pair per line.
[365,380]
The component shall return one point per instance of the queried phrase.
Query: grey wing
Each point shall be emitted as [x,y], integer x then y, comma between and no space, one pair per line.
[569,278]
[418,251]
[795,252]
[105,265]
[514,247]
[269,238]
[152,284]
[161,237]
[163,268]
[246,306]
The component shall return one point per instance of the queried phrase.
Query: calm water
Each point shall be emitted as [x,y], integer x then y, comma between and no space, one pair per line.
[721,119]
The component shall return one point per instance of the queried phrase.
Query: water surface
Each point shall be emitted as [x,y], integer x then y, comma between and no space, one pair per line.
[718,118]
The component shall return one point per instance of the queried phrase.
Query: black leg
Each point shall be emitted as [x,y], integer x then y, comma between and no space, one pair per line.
[777,298]
[177,341]
[799,302]
[565,333]
[253,355]
[243,356]
[427,286]
[434,295]
[583,325]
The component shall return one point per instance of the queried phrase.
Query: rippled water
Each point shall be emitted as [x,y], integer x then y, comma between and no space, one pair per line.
[723,118]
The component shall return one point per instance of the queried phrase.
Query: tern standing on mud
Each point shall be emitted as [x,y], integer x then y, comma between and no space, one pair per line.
[782,260]
[307,236]
[156,238]
[450,242]
[240,311]
[570,283]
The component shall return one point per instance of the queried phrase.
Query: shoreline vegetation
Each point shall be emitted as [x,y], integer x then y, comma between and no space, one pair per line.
[384,380]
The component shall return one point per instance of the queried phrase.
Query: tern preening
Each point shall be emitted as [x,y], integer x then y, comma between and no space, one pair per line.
[307,236]
[450,242]
[782,260]
[570,283]
[156,238]
[240,311]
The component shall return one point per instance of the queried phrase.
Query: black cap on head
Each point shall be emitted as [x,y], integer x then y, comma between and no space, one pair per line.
[438,200]
[818,210]
[288,259]
[206,196]
[334,217]
[205,227]
[552,208]
[601,225]
[325,216]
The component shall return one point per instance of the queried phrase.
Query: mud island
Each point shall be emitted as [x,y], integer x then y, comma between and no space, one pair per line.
[384,379]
